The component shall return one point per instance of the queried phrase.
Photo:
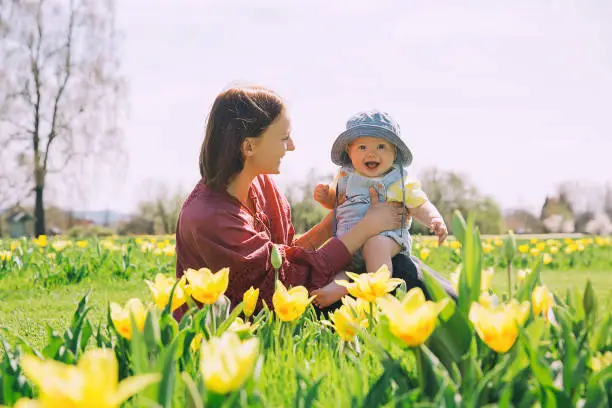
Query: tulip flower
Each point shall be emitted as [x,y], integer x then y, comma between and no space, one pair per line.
[121,317]
[290,304]
[542,300]
[370,286]
[227,362]
[250,301]
[346,321]
[93,382]
[161,289]
[412,319]
[205,286]
[497,326]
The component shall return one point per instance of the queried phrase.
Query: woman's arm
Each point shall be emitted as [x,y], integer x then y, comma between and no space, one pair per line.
[225,240]
[317,235]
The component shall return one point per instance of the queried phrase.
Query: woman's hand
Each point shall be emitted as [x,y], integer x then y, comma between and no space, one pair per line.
[383,216]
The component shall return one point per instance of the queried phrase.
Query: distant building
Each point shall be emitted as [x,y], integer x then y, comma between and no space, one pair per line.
[20,222]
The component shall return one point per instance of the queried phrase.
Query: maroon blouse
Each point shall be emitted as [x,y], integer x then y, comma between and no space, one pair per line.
[215,231]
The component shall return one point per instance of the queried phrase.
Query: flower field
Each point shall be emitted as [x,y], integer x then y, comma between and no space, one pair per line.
[532,326]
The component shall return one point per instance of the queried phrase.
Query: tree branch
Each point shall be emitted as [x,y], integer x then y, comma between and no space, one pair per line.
[67,72]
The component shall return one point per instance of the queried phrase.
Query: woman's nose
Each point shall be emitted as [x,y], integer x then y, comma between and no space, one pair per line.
[290,145]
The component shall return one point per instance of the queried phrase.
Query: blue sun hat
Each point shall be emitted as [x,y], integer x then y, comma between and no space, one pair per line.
[370,124]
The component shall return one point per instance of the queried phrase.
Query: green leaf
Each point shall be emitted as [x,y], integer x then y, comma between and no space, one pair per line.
[597,386]
[230,319]
[589,301]
[459,226]
[167,366]
[532,279]
[539,369]
[195,398]
[471,273]
[151,331]
[454,336]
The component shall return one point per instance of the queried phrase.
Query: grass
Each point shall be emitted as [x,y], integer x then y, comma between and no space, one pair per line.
[28,312]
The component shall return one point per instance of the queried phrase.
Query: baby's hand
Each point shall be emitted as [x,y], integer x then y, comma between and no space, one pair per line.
[438,227]
[323,195]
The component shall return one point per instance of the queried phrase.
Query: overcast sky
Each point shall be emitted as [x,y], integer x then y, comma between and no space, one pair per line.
[517,94]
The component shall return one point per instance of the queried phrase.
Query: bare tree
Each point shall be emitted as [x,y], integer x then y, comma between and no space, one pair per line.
[59,89]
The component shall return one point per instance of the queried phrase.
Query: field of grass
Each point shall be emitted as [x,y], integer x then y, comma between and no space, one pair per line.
[42,282]
[29,311]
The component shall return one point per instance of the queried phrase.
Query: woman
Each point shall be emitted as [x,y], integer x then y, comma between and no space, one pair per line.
[235,213]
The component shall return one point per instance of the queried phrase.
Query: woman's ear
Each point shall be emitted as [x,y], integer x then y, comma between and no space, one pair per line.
[247,147]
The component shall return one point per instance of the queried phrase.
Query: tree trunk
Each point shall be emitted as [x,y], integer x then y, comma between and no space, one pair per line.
[39,212]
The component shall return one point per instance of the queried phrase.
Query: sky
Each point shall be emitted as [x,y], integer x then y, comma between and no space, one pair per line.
[516,95]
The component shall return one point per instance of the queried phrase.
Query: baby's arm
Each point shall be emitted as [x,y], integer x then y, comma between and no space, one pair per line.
[421,208]
[428,215]
[325,194]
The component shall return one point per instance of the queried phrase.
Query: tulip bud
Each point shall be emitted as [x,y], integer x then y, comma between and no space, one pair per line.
[277,259]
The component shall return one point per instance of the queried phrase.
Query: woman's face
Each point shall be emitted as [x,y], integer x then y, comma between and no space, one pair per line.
[268,149]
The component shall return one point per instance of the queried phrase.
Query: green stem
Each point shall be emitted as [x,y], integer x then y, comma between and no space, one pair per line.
[509,279]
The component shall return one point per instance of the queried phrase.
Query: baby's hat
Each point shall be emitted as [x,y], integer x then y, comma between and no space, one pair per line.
[372,123]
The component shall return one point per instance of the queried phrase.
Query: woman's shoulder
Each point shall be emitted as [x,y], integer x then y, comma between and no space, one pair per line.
[206,206]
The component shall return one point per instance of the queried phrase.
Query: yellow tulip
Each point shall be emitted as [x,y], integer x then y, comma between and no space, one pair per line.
[358,307]
[498,326]
[290,304]
[523,249]
[370,286]
[93,382]
[498,242]
[205,286]
[487,248]
[26,403]
[250,301]
[455,244]
[5,255]
[240,326]
[226,362]
[41,241]
[521,275]
[546,259]
[161,289]
[121,317]
[59,246]
[601,361]
[424,253]
[346,322]
[534,252]
[542,300]
[554,250]
[412,319]
[541,246]
[81,244]
[196,342]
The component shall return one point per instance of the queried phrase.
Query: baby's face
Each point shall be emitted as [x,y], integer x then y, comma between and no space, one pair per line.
[371,157]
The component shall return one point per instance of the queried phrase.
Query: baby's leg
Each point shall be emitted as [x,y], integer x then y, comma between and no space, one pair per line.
[330,293]
[378,251]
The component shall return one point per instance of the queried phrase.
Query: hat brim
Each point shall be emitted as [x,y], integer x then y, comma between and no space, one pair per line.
[340,157]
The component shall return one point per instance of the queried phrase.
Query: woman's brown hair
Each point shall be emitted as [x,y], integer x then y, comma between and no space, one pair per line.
[236,114]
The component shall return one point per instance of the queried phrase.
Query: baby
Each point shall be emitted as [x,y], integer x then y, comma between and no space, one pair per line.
[372,154]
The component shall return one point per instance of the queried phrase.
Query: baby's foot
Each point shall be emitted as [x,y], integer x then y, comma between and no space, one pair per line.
[328,294]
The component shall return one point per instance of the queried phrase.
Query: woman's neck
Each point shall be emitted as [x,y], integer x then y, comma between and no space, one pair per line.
[239,186]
